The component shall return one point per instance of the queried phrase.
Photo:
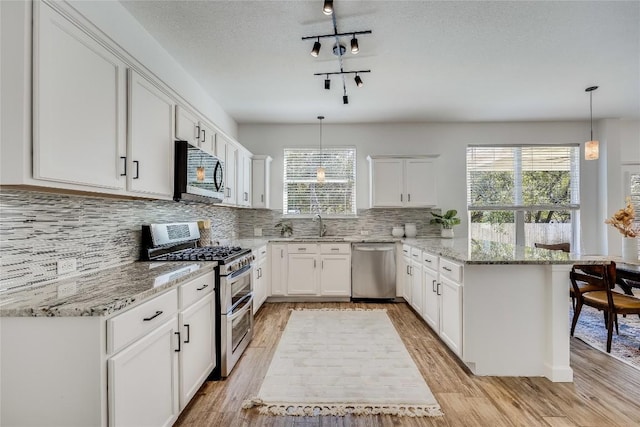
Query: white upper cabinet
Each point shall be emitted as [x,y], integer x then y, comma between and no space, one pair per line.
[260,181]
[193,130]
[227,151]
[79,106]
[150,139]
[244,178]
[408,182]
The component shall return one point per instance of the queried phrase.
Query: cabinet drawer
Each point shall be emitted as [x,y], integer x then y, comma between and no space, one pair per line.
[335,248]
[125,328]
[195,289]
[406,250]
[416,254]
[451,269]
[261,252]
[302,248]
[430,260]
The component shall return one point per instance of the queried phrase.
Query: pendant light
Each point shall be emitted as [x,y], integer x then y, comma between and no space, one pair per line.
[320,171]
[591,147]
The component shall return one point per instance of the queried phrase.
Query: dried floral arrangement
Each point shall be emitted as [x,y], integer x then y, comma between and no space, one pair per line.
[623,220]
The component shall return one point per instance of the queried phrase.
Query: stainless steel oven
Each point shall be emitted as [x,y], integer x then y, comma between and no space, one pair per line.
[237,332]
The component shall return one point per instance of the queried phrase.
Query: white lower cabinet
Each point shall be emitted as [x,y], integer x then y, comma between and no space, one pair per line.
[279,260]
[415,280]
[302,272]
[311,269]
[431,309]
[451,314]
[335,270]
[142,380]
[261,278]
[407,283]
[197,356]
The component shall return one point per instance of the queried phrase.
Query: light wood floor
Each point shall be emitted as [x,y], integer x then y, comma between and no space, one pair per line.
[606,392]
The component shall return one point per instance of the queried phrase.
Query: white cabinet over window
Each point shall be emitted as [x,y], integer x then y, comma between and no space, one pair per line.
[150,139]
[79,111]
[402,181]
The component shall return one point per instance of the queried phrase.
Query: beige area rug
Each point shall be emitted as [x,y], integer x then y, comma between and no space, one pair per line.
[341,362]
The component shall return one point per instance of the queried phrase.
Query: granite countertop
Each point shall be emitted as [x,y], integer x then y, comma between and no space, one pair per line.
[488,252]
[102,292]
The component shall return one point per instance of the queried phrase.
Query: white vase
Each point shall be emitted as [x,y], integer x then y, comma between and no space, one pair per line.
[446,233]
[410,230]
[397,231]
[630,249]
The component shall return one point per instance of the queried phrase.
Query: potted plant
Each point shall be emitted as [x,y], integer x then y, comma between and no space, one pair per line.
[447,220]
[286,230]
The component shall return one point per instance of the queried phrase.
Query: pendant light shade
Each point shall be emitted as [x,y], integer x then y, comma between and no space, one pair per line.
[320,171]
[591,147]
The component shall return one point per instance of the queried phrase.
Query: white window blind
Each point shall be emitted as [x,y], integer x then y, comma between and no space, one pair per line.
[523,177]
[304,195]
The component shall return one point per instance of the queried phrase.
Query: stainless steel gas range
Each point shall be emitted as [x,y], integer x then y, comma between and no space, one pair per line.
[233,287]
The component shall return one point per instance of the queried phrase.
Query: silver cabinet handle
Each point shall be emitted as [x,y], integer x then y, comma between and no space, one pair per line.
[433,286]
[281,253]
[314,263]
[408,197]
[438,289]
[447,268]
[400,196]
[427,260]
[262,197]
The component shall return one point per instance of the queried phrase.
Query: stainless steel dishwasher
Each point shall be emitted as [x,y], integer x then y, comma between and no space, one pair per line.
[373,271]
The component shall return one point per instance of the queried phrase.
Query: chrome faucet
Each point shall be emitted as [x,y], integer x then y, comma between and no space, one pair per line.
[322,229]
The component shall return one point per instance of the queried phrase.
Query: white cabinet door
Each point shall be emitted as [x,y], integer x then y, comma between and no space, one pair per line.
[187,127]
[230,173]
[198,351]
[451,314]
[417,293]
[420,183]
[260,181]
[79,108]
[335,275]
[207,138]
[279,268]
[302,274]
[406,282]
[150,142]
[261,275]
[387,184]
[431,308]
[244,178]
[143,379]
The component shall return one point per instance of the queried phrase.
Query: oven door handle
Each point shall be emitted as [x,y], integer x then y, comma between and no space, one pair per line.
[242,306]
[239,273]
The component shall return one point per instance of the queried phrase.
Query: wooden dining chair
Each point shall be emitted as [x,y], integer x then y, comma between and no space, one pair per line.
[605,299]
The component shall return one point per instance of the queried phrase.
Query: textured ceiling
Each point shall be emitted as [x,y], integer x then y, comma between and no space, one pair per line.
[430,61]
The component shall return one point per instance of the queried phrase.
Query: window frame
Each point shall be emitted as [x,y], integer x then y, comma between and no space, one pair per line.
[316,161]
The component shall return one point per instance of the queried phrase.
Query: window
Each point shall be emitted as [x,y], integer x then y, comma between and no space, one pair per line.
[523,194]
[303,195]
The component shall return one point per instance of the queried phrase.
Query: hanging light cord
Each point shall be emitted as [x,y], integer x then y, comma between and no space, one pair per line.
[591,112]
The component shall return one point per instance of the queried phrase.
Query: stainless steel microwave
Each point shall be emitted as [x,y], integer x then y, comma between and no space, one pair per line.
[198,174]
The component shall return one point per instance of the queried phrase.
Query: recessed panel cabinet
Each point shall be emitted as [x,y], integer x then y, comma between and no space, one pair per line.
[193,130]
[260,181]
[402,182]
[150,139]
[79,111]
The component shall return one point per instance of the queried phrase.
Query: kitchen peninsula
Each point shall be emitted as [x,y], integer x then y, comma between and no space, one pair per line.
[514,305]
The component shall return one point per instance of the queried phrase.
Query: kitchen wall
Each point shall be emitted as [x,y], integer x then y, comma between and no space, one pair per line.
[369,222]
[450,140]
[37,229]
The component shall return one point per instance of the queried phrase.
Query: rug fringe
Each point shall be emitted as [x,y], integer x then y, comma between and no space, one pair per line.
[342,410]
[338,309]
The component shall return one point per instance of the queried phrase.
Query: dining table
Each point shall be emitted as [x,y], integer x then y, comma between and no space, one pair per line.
[628,277]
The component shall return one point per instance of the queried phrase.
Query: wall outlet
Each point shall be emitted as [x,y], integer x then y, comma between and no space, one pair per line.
[67,289]
[257,232]
[66,266]
[364,232]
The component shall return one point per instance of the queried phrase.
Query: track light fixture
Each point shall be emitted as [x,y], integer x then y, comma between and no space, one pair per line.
[354,45]
[339,49]
[327,9]
[316,48]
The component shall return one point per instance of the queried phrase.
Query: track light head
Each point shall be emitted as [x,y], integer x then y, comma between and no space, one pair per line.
[327,9]
[339,49]
[345,99]
[316,48]
[358,80]
[354,45]
[327,83]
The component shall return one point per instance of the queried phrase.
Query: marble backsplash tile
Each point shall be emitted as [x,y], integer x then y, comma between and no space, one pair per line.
[374,222]
[38,229]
